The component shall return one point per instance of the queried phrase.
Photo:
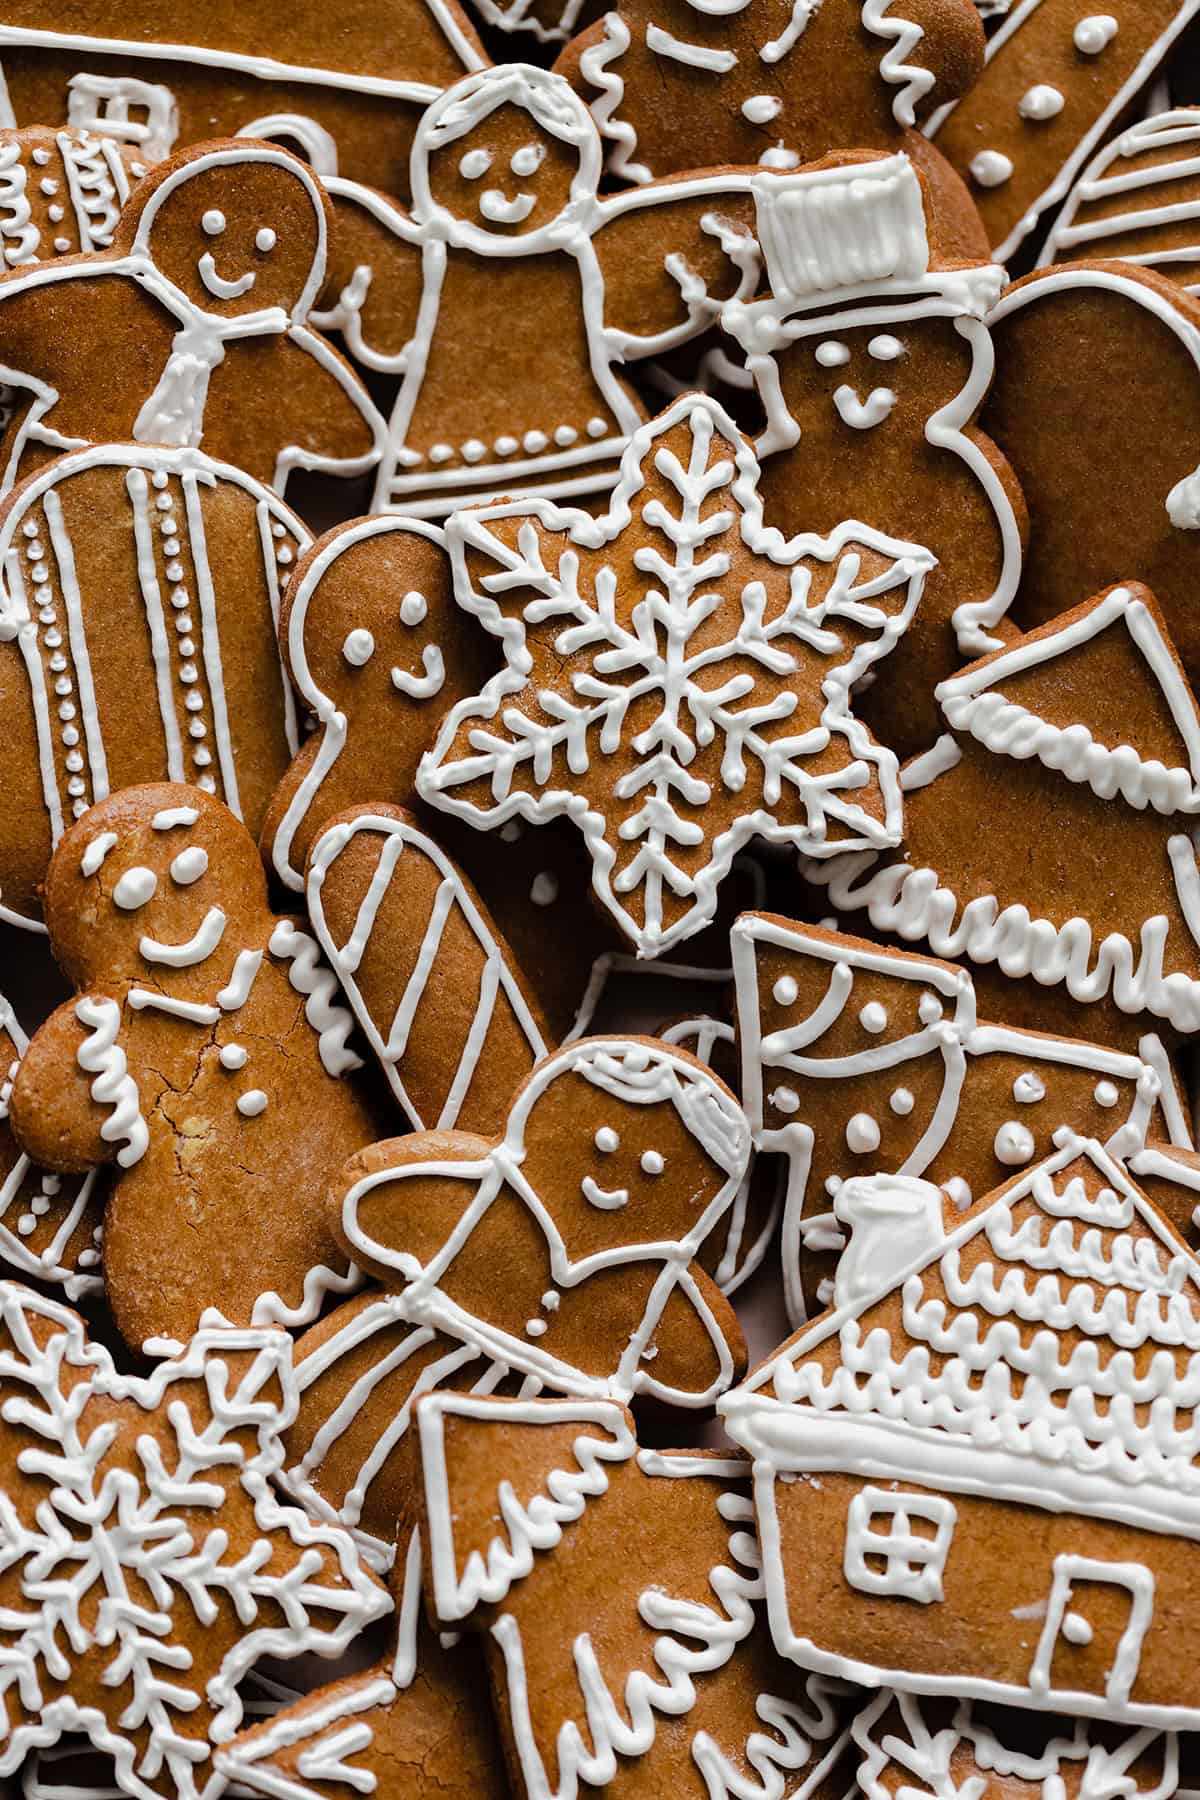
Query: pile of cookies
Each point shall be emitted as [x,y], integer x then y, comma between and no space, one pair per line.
[599,900]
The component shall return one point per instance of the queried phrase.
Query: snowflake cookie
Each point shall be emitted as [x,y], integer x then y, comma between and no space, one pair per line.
[678,675]
[148,1563]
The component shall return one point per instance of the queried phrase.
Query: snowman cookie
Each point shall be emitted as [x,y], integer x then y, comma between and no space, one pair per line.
[192,328]
[203,1056]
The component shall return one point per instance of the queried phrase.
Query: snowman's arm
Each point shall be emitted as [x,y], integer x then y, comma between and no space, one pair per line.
[395,1205]
[374,278]
[58,1108]
[671,255]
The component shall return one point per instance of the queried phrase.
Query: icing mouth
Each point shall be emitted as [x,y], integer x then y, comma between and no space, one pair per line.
[607,1199]
[216,284]
[862,414]
[182,956]
[500,211]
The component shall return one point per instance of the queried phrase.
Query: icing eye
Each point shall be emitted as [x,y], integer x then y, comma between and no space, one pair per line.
[413,608]
[885,348]
[135,887]
[358,647]
[213,221]
[607,1140]
[265,240]
[189,866]
[831,355]
[653,1163]
[528,159]
[474,164]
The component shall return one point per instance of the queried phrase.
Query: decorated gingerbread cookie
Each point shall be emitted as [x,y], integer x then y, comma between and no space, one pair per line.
[192,328]
[50,1225]
[619,1593]
[138,642]
[968,1408]
[1056,79]
[677,675]
[1139,200]
[149,1563]
[61,192]
[678,84]
[871,355]
[344,90]
[861,1060]
[202,1056]
[1086,353]
[508,242]
[1088,722]
[428,976]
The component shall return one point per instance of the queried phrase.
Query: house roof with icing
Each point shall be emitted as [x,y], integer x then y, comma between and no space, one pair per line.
[1046,1350]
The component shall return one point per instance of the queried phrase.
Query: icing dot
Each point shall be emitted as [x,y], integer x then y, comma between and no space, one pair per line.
[233,1056]
[265,239]
[779,158]
[565,435]
[991,168]
[189,865]
[474,164]
[544,890]
[550,1299]
[159,478]
[1095,33]
[901,1102]
[607,1139]
[1014,1143]
[885,348]
[473,451]
[511,831]
[958,1192]
[596,428]
[26,1223]
[833,1186]
[41,157]
[534,441]
[1040,102]
[652,1162]
[440,453]
[213,222]
[785,1099]
[535,1327]
[760,109]
[55,213]
[1105,1093]
[506,446]
[358,647]
[929,1009]
[251,1104]
[413,608]
[1029,1088]
[785,990]
[862,1134]
[831,355]
[135,887]
[873,1017]
[48,185]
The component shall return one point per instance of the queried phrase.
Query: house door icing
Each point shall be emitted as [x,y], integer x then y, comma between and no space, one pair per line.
[1079,1625]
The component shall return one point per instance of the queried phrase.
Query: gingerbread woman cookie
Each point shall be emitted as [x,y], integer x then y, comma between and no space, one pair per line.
[139,612]
[1139,200]
[202,1056]
[678,676]
[192,328]
[149,1562]
[61,192]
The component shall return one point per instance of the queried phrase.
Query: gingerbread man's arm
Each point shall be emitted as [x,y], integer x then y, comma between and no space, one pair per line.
[671,255]
[322,385]
[74,1103]
[395,1205]
[44,315]
[374,278]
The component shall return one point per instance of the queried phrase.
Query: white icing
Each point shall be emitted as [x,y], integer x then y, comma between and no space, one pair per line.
[112,1086]
[134,888]
[1095,33]
[991,168]
[309,976]
[358,647]
[189,865]
[1041,102]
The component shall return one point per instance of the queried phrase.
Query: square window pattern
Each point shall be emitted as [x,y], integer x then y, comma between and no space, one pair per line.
[898,1543]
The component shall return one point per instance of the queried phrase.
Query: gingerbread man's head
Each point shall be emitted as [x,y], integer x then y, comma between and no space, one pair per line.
[506,162]
[238,227]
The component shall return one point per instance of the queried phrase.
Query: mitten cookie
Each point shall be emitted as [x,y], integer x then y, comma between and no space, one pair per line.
[149,1564]
[192,328]
[377,652]
[49,1224]
[507,223]
[1139,200]
[138,642]
[618,1593]
[674,84]
[346,89]
[1055,80]
[202,1056]
[678,678]
[872,357]
[1085,736]
[858,1060]
[427,974]
[61,192]
[958,1415]
[571,1248]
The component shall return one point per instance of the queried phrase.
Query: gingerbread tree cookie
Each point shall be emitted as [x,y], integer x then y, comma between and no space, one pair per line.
[678,676]
[202,1056]
[148,1563]
[138,642]
[192,328]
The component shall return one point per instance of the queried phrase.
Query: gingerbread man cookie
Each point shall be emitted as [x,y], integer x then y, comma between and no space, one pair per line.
[618,1591]
[1139,200]
[139,609]
[192,328]
[203,1057]
[957,1490]
[61,192]
[149,1564]
[871,356]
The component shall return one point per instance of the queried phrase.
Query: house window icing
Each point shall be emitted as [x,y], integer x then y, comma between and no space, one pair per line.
[897,1544]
